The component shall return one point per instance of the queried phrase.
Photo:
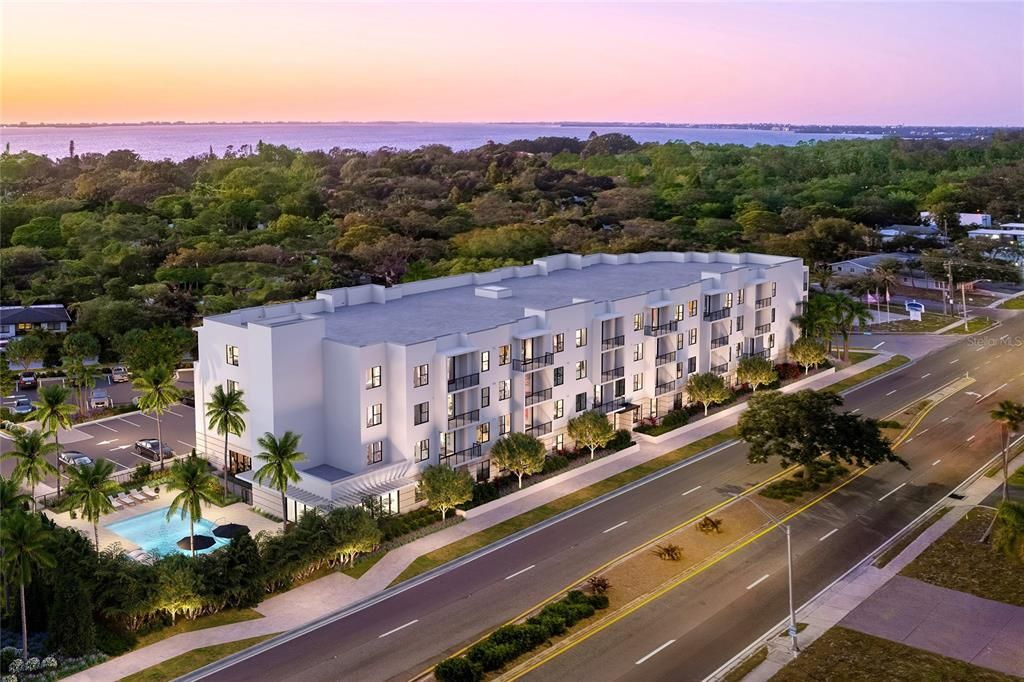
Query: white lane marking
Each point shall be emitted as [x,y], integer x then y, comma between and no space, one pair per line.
[129,422]
[758,581]
[972,393]
[617,525]
[936,462]
[953,362]
[391,632]
[104,426]
[980,349]
[660,648]
[927,375]
[1004,337]
[972,438]
[520,572]
[920,433]
[877,346]
[187,445]
[855,411]
[986,363]
[944,419]
[107,442]
[909,439]
[170,411]
[120,447]
[692,490]
[891,392]
[990,393]
[148,417]
[891,492]
[828,534]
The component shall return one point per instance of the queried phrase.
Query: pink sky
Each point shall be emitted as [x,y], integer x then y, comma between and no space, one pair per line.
[911,62]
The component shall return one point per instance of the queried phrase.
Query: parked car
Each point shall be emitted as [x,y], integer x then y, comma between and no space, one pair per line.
[189,400]
[28,380]
[100,399]
[119,374]
[150,447]
[22,405]
[74,458]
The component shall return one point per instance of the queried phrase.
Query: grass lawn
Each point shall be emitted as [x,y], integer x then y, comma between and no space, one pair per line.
[226,617]
[929,322]
[904,542]
[842,654]
[892,363]
[1017,478]
[859,356]
[362,565]
[1013,304]
[743,669]
[959,562]
[175,667]
[974,326]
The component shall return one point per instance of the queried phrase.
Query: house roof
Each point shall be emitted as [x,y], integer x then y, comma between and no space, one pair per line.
[871,261]
[33,314]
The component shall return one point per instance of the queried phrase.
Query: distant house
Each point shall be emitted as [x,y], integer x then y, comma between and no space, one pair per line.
[917,231]
[1008,233]
[16,320]
[966,219]
[909,276]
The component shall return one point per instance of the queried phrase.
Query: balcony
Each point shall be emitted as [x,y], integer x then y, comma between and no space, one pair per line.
[766,354]
[664,358]
[662,389]
[720,369]
[762,303]
[613,374]
[533,363]
[720,342]
[461,383]
[762,329]
[538,430]
[610,406]
[612,343]
[538,396]
[713,315]
[661,329]
[457,457]
[464,419]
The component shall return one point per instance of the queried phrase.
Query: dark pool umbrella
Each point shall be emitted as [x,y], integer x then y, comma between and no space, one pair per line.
[230,530]
[201,542]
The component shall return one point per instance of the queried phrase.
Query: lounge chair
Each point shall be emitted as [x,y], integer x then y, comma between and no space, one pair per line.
[138,497]
[149,492]
[116,503]
[126,500]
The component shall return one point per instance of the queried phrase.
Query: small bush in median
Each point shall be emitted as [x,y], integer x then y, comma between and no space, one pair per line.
[668,552]
[599,584]
[709,525]
[456,670]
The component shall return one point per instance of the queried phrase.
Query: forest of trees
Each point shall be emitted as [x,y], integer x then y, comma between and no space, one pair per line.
[130,243]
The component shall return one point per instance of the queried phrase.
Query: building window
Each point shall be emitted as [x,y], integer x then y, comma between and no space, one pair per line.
[483,432]
[485,360]
[638,351]
[503,389]
[559,409]
[771,340]
[485,396]
[739,296]
[375,452]
[680,310]
[680,340]
[232,386]
[691,365]
[638,382]
[581,337]
[558,343]
[237,462]
[559,375]
[679,370]
[421,413]
[638,322]
[739,323]
[692,306]
[504,424]
[420,375]
[693,336]
[451,405]
[504,354]
[581,402]
[728,300]
[373,377]
[560,441]
[581,369]
[739,348]
[375,414]
[423,450]
[773,314]
[231,355]
[773,288]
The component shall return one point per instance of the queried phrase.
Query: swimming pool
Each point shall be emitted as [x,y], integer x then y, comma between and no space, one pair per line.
[156,534]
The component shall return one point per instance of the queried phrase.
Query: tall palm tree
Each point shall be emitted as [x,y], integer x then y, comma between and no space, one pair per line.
[846,313]
[53,412]
[815,319]
[887,275]
[1009,536]
[280,454]
[225,411]
[80,376]
[89,489]
[25,548]
[158,392]
[192,477]
[30,450]
[1010,416]
[11,497]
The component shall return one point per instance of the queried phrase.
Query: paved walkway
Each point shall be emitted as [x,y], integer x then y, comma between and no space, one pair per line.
[336,591]
[855,589]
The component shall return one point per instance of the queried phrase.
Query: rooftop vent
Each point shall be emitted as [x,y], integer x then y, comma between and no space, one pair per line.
[493,291]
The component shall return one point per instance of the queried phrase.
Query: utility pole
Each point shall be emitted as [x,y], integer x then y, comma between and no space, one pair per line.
[949,287]
[963,301]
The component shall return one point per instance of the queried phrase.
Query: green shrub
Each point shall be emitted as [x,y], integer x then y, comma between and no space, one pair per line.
[620,441]
[71,628]
[554,463]
[599,601]
[113,641]
[456,669]
[552,624]
[491,656]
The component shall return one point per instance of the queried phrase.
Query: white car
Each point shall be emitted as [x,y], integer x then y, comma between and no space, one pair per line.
[119,374]
[73,458]
[100,399]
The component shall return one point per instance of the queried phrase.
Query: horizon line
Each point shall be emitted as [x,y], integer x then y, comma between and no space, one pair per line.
[565,123]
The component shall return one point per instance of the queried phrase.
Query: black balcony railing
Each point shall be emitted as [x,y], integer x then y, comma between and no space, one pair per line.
[538,429]
[611,405]
[533,363]
[720,369]
[766,354]
[660,329]
[614,342]
[463,419]
[762,329]
[458,457]
[664,359]
[721,314]
[613,374]
[762,303]
[461,383]
[538,396]
[662,389]
[720,341]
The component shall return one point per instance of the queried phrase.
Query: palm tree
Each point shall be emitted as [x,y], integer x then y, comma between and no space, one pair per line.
[53,414]
[1010,416]
[281,454]
[887,274]
[1009,536]
[815,320]
[80,376]
[225,411]
[11,497]
[847,312]
[24,541]
[158,392]
[31,449]
[89,489]
[192,477]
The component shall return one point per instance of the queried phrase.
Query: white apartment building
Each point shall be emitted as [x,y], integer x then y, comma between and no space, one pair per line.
[381,382]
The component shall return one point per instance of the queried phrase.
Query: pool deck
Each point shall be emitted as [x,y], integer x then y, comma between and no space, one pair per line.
[235,513]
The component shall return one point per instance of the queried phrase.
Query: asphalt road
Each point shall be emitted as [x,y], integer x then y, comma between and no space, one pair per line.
[410,629]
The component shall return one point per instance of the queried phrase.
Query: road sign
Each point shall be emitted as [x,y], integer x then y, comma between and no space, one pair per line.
[792,631]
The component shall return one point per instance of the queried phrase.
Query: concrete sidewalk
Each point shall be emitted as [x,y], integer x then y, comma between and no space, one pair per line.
[336,591]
